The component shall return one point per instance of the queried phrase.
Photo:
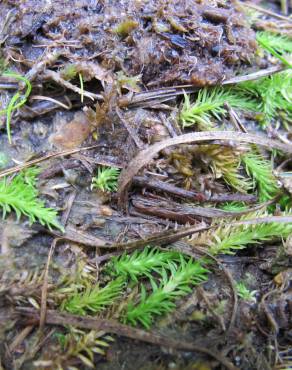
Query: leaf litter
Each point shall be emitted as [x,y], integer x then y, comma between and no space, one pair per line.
[160,207]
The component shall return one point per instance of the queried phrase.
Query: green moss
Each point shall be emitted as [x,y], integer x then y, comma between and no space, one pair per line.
[69,72]
[124,28]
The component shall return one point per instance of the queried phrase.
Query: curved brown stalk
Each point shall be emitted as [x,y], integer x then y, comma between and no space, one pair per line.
[146,155]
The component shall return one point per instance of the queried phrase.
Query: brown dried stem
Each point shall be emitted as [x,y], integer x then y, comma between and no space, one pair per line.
[85,322]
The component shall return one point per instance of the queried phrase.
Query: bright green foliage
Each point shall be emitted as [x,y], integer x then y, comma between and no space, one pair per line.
[273,93]
[162,298]
[69,72]
[106,179]
[269,96]
[27,91]
[234,206]
[210,102]
[30,175]
[94,299]
[244,293]
[277,45]
[20,194]
[278,42]
[142,263]
[229,238]
[285,203]
[156,304]
[260,170]
[188,272]
[16,101]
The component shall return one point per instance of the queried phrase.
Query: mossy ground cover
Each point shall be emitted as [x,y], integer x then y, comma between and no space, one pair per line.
[194,273]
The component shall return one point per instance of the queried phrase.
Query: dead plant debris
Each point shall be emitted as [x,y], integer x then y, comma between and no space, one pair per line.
[145,184]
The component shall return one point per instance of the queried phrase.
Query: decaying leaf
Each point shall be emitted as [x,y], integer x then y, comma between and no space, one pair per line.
[72,134]
[89,70]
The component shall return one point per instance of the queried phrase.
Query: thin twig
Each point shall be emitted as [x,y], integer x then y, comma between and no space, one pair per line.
[264,307]
[254,76]
[266,11]
[43,309]
[69,204]
[33,162]
[164,237]
[167,123]
[55,318]
[229,278]
[20,338]
[47,59]
[79,237]
[48,74]
[217,317]
[131,130]
[145,156]
[235,298]
[162,186]
[47,98]
[166,94]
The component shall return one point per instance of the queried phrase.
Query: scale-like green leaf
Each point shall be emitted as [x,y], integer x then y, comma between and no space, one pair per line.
[106,179]
[94,299]
[162,299]
[20,195]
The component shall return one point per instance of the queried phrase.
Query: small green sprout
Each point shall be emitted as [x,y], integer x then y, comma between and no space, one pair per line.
[69,72]
[234,206]
[16,101]
[260,170]
[94,299]
[210,102]
[273,94]
[285,203]
[20,195]
[106,179]
[61,337]
[124,28]
[268,96]
[141,263]
[130,83]
[228,238]
[244,293]
[81,87]
[163,296]
[277,45]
